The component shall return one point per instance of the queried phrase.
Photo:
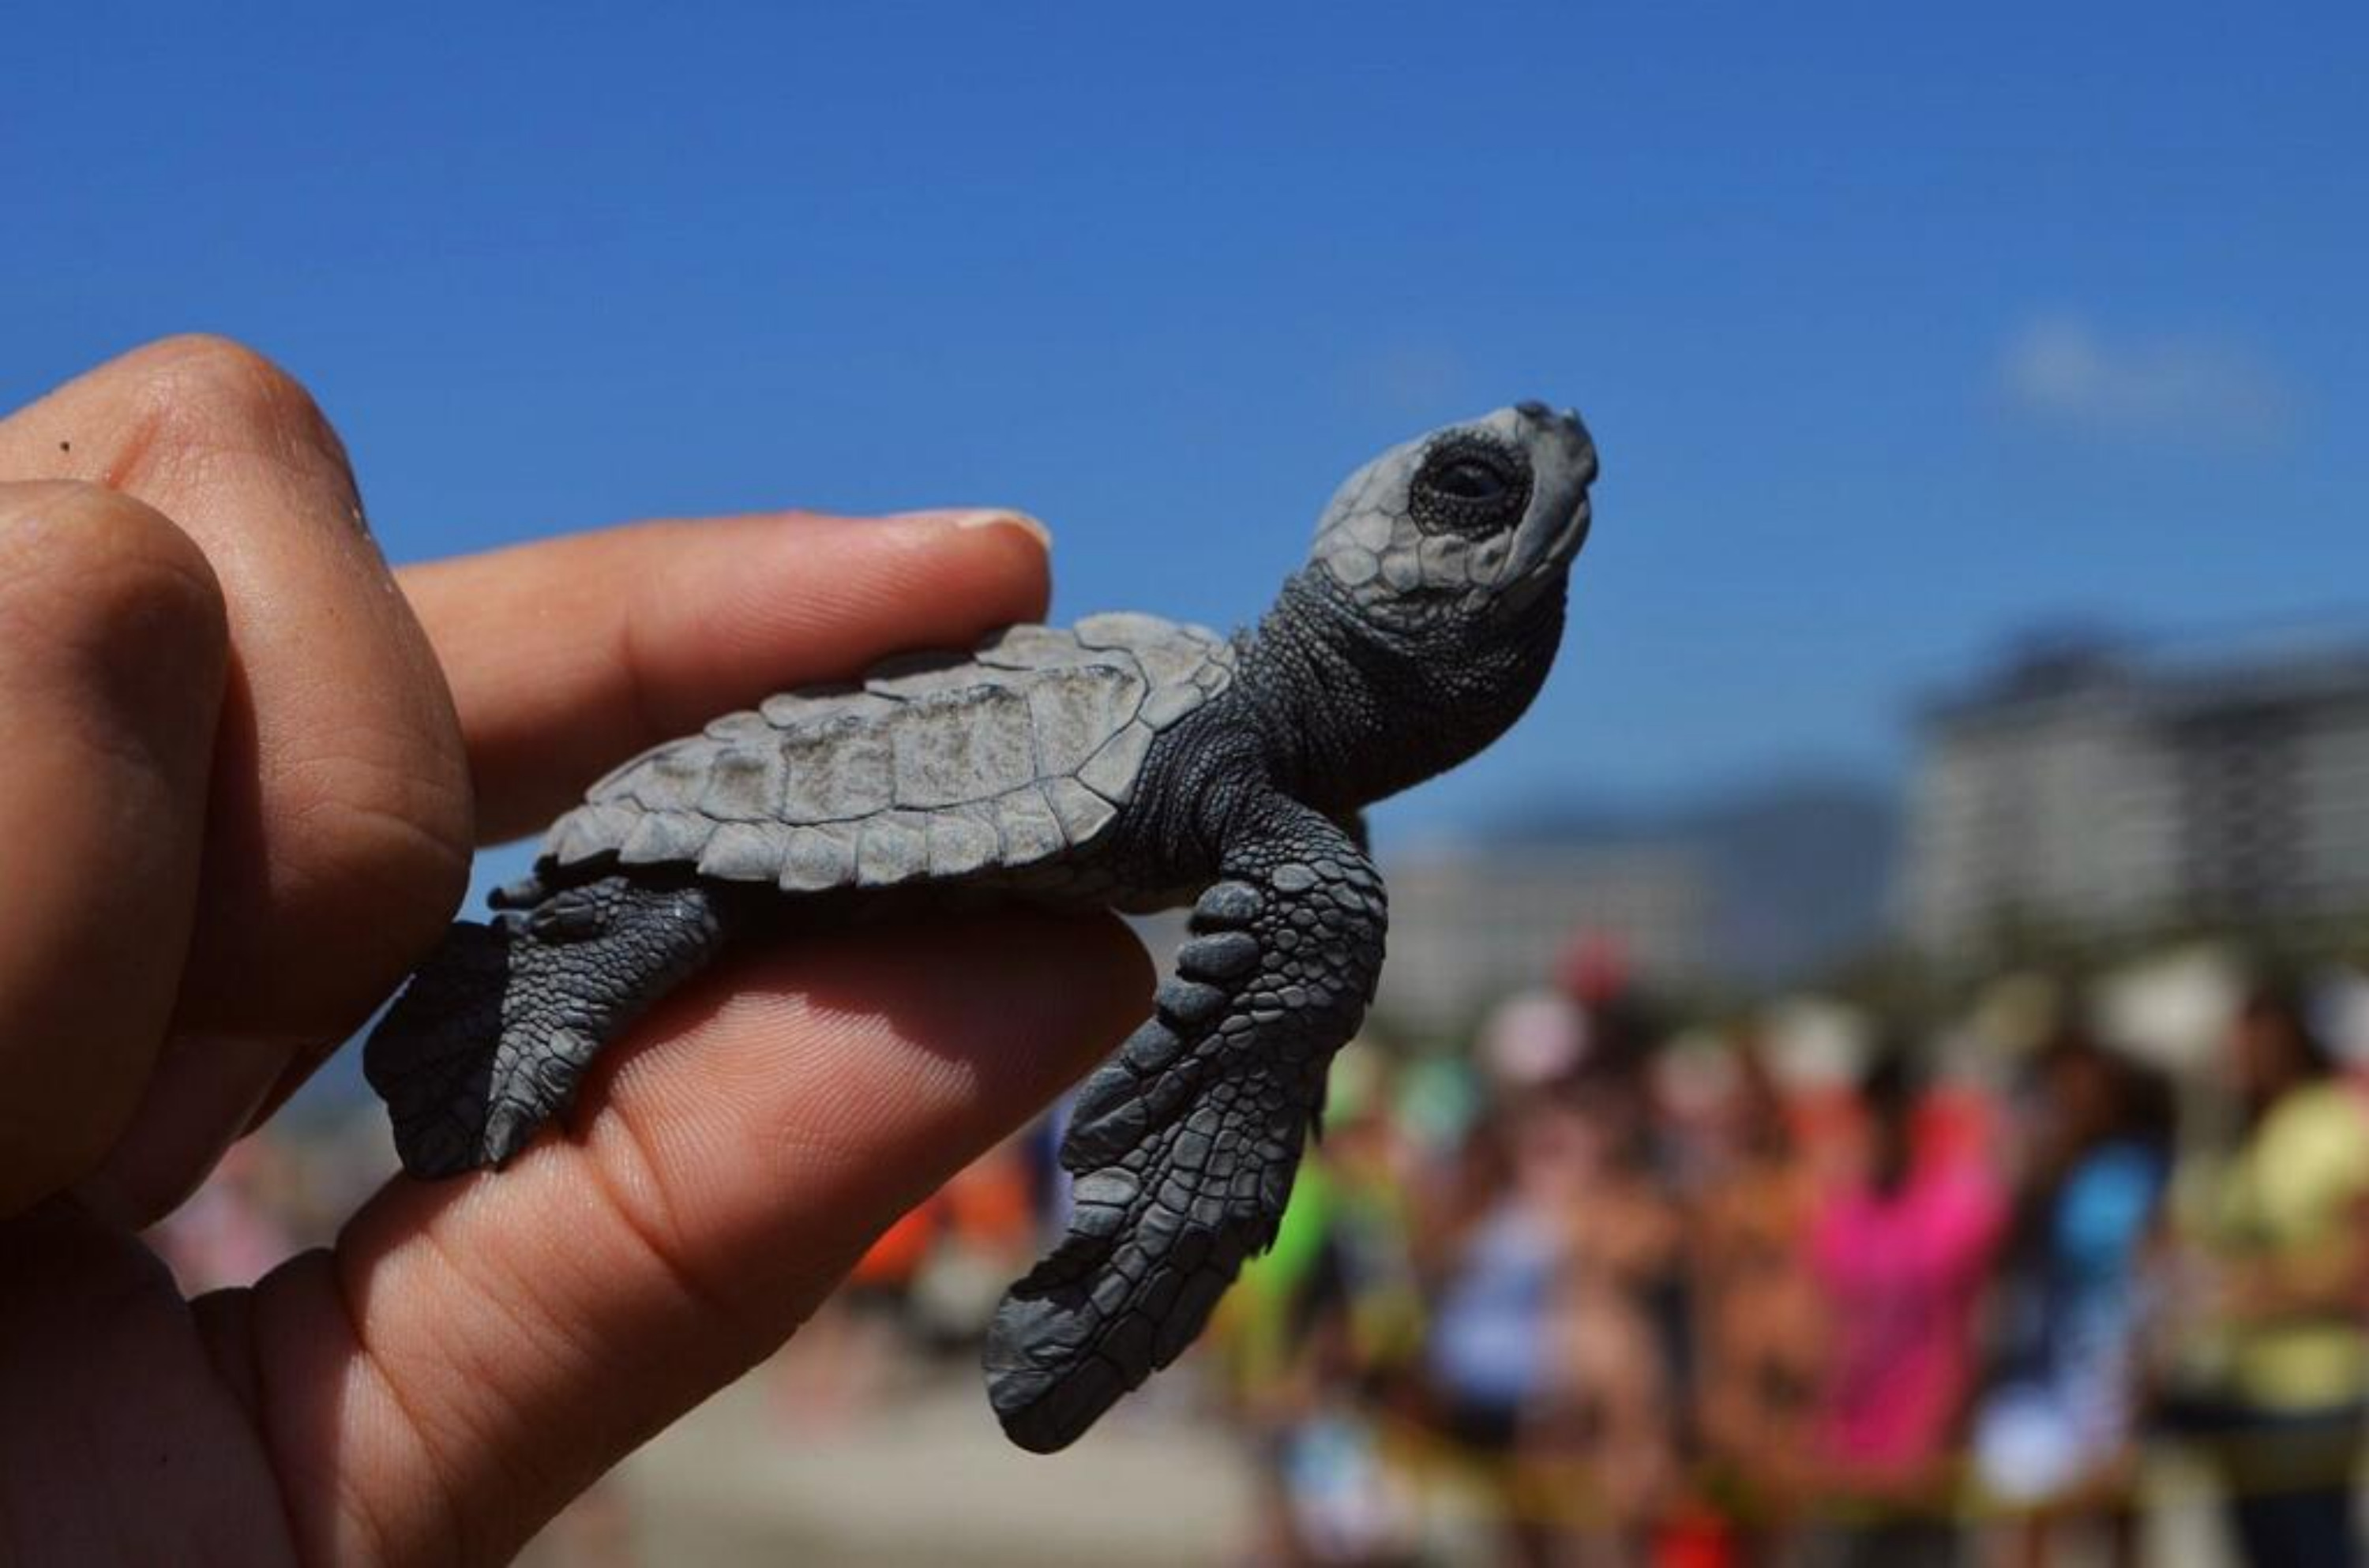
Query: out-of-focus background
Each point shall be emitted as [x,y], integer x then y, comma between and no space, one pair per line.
[1869,1072]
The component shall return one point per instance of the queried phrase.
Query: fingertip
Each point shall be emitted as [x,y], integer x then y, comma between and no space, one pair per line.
[1027,546]
[946,575]
[1005,557]
[963,520]
[1032,528]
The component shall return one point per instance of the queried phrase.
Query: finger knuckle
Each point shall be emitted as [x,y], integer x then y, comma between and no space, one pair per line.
[199,396]
[220,374]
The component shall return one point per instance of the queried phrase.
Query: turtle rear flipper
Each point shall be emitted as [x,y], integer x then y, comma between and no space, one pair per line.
[493,1034]
[1185,1142]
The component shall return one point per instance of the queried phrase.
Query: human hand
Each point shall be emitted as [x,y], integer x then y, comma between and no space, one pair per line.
[241,768]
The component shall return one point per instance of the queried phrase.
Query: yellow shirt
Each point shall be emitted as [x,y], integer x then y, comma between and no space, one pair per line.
[2291,1192]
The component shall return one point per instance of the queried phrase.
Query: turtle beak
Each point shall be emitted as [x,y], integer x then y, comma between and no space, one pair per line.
[1563,459]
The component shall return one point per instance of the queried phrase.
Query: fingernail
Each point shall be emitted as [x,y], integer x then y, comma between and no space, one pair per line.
[1000,516]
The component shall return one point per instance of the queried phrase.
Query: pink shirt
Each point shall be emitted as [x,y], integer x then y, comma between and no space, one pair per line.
[1903,1276]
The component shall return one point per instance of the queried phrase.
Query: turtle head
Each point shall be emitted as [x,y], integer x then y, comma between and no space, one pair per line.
[1472,523]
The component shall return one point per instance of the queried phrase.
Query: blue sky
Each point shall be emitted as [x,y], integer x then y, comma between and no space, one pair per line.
[1900,328]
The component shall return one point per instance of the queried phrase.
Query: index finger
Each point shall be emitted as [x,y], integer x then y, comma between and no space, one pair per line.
[565,657]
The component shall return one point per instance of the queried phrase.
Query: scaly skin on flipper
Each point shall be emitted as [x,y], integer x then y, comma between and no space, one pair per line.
[1128,762]
[547,986]
[1184,1143]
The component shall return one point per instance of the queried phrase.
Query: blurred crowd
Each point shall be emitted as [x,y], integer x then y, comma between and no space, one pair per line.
[1604,1282]
[1628,1293]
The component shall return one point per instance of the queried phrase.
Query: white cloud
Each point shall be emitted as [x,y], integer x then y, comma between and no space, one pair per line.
[2061,370]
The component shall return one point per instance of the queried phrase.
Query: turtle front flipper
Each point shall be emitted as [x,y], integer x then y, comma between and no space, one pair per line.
[493,1034]
[1184,1143]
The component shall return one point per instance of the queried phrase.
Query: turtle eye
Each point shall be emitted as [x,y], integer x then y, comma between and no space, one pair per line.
[1469,479]
[1470,485]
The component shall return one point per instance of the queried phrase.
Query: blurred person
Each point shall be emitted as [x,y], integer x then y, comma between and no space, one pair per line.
[1622,1361]
[1548,1357]
[846,1355]
[1901,1254]
[2052,1437]
[1495,1256]
[1645,1162]
[1758,1316]
[928,1283]
[1322,1331]
[1369,1161]
[2277,1248]
[985,1235]
[1489,1235]
[1272,1372]
[1595,969]
[1529,1040]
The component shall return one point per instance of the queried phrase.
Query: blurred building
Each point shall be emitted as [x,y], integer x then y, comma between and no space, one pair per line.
[1471,922]
[2088,791]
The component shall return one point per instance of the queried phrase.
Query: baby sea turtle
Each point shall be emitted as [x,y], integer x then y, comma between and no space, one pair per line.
[1128,762]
